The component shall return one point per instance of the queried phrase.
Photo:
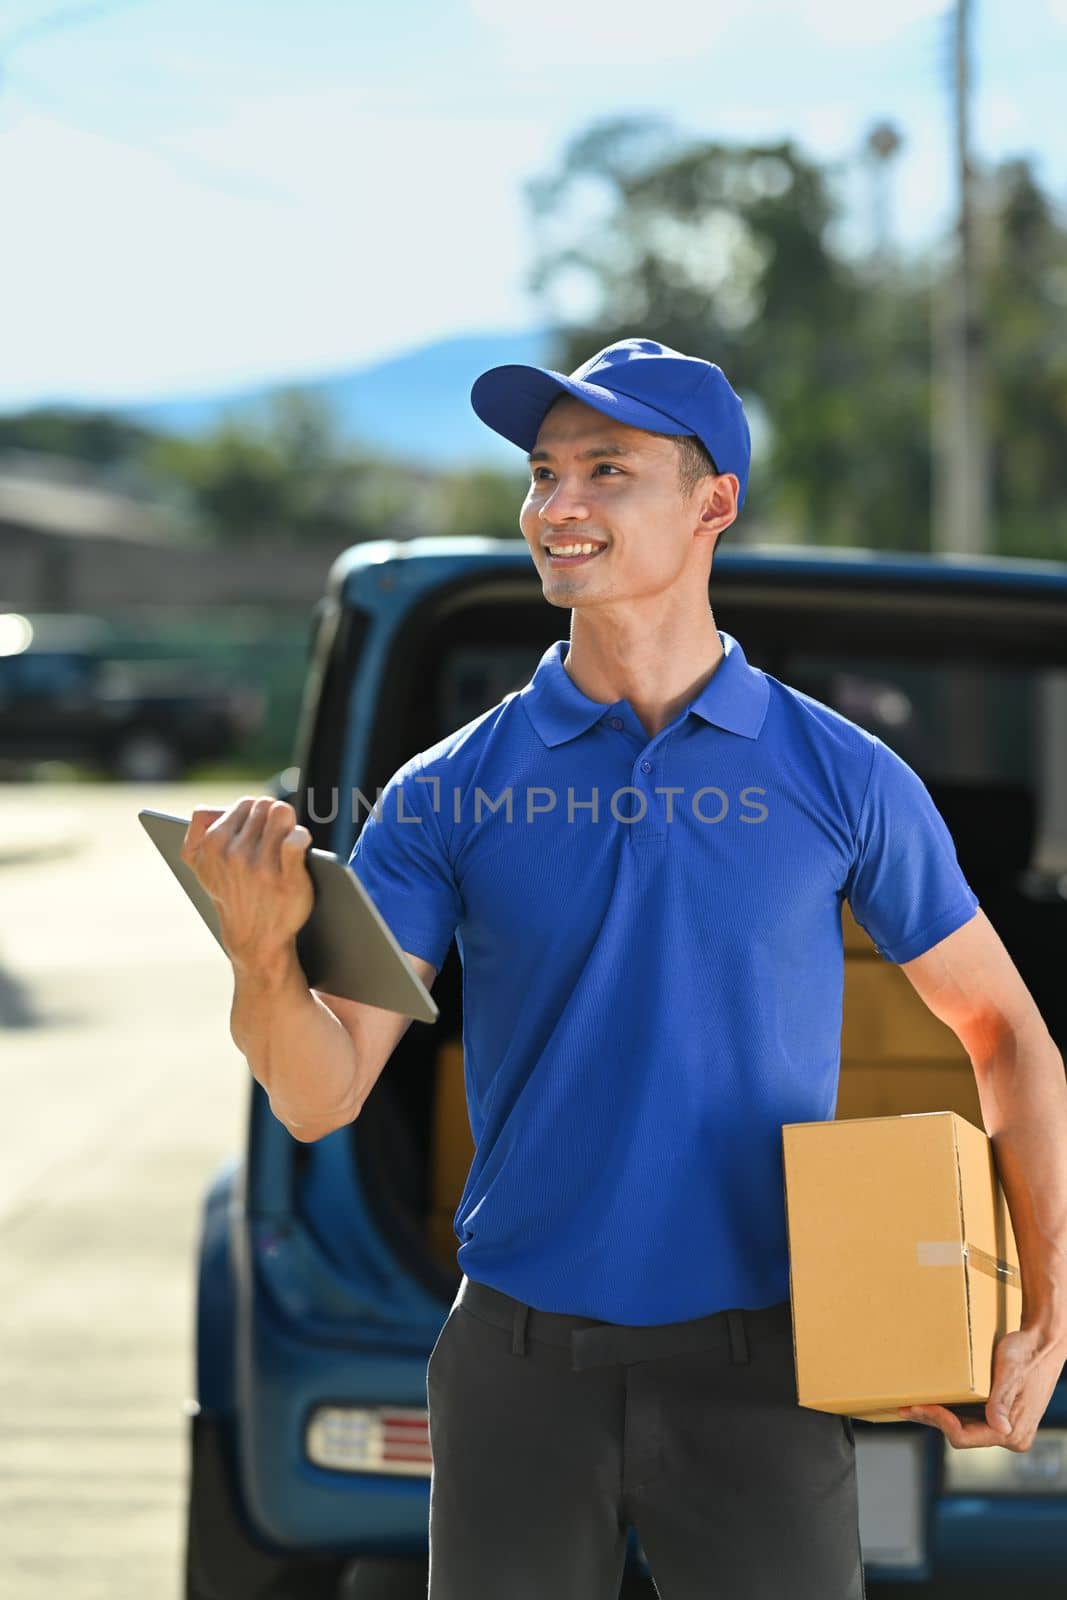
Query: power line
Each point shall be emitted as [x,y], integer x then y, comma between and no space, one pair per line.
[63,20]
[198,170]
[203,173]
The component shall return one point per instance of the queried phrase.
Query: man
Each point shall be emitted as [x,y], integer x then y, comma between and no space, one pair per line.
[643,856]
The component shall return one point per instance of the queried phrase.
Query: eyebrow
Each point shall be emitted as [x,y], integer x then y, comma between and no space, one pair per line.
[587,455]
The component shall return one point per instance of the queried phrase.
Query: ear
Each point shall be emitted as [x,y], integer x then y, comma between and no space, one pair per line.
[718,508]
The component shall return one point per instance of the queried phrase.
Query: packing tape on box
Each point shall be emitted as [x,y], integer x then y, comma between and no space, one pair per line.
[950,1252]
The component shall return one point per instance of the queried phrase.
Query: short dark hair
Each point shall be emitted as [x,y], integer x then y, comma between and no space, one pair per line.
[694,461]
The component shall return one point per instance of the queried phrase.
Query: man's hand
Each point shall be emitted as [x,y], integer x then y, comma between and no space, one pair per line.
[250,859]
[1026,1369]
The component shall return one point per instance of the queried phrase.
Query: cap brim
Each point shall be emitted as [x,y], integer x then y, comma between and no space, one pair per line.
[513,400]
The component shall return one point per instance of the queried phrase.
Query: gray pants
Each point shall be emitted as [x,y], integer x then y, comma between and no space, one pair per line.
[551,1433]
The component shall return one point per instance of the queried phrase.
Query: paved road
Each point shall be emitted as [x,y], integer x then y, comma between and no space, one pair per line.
[122,1093]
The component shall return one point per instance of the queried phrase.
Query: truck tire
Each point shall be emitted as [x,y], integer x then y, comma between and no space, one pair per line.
[386,1578]
[142,755]
[222,1559]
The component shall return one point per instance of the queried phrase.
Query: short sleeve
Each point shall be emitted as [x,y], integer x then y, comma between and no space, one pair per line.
[401,860]
[905,884]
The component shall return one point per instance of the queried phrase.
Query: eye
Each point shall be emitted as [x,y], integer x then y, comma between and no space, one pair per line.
[600,466]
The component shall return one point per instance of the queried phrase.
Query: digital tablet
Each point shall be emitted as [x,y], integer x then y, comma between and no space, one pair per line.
[345,947]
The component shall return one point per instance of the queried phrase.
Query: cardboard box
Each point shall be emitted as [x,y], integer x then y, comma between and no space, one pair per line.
[451,1153]
[896,1056]
[903,1265]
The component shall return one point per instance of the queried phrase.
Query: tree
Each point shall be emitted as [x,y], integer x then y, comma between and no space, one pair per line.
[481,501]
[732,253]
[94,437]
[722,252]
[1026,319]
[283,475]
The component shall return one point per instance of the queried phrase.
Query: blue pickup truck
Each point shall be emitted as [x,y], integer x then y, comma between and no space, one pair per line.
[326,1270]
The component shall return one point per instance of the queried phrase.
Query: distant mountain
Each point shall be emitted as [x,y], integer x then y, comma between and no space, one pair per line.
[415,406]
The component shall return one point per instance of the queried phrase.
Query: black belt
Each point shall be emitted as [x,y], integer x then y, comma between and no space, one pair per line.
[595,1343]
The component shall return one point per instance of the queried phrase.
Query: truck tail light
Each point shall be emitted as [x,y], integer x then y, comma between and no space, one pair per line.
[393,1439]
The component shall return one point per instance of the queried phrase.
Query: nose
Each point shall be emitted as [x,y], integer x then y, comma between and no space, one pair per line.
[564,504]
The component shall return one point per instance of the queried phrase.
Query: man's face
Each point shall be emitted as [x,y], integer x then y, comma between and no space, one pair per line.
[597,481]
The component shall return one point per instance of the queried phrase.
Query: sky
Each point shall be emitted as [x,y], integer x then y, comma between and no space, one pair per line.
[202,194]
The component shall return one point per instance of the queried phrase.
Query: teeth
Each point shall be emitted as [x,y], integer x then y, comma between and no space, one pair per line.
[572,549]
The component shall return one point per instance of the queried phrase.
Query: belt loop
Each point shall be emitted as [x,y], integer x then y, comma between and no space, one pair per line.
[518,1336]
[735,1321]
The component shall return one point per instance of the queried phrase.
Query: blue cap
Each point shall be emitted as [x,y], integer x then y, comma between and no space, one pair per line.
[636,381]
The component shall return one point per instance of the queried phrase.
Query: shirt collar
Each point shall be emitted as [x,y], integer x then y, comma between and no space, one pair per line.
[735,696]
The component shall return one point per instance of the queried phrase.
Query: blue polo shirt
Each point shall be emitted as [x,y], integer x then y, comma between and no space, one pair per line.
[650,937]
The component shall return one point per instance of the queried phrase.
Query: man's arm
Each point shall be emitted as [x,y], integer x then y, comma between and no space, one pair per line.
[373,1032]
[970,982]
[316,1056]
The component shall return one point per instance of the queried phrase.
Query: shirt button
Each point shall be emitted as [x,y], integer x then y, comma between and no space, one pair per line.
[616,722]
[646,766]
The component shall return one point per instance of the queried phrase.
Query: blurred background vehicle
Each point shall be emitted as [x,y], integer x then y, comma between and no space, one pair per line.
[67,694]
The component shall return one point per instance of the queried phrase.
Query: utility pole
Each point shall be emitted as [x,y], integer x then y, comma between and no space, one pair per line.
[883,143]
[961,521]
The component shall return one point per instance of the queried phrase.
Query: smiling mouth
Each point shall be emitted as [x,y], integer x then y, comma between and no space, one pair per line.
[575,559]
